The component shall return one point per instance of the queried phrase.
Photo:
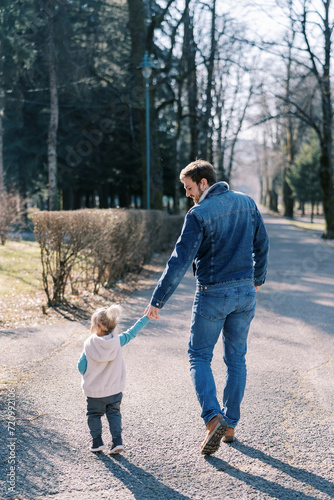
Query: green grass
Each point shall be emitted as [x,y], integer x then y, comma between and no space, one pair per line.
[22,298]
[315,226]
[20,267]
[23,301]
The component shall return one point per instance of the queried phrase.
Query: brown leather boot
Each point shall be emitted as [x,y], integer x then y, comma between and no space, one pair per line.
[217,428]
[229,436]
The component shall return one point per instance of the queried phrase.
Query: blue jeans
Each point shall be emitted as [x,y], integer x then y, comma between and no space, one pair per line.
[227,308]
[109,406]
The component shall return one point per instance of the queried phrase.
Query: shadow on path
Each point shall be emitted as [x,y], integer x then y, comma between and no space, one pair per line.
[300,282]
[142,485]
[265,486]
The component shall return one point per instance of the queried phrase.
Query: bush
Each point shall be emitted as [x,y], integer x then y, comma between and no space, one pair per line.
[97,247]
[11,212]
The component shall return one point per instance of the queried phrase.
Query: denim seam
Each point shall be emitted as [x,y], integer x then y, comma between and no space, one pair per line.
[222,216]
[212,251]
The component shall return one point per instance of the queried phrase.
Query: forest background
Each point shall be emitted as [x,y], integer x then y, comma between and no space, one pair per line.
[247,87]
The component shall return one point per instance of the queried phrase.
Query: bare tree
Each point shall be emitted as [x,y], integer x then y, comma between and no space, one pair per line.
[11,212]
[233,91]
[210,66]
[189,58]
[2,106]
[288,197]
[209,87]
[2,180]
[269,159]
[314,27]
[53,124]
[145,19]
[321,71]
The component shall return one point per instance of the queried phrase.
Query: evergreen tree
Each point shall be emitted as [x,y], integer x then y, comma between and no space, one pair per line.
[304,175]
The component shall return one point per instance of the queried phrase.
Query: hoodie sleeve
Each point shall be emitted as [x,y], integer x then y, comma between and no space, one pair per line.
[82,363]
[132,332]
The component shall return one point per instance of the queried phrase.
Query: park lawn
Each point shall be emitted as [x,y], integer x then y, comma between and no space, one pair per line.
[20,267]
[21,293]
[313,226]
[23,301]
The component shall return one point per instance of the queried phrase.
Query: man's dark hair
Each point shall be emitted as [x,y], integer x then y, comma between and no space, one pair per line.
[198,170]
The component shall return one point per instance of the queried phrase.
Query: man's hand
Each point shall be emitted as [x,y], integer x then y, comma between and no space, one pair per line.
[152,312]
[257,288]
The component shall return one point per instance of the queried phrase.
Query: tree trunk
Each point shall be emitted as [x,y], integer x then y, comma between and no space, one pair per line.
[220,153]
[53,125]
[326,174]
[141,40]
[236,135]
[273,200]
[288,198]
[2,183]
[103,195]
[287,194]
[189,55]
[207,146]
[178,147]
[326,182]
[2,176]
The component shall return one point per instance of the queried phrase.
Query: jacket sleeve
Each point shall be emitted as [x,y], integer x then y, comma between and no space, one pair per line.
[82,363]
[131,333]
[261,251]
[183,255]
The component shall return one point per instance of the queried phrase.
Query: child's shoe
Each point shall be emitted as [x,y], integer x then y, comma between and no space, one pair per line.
[97,444]
[116,449]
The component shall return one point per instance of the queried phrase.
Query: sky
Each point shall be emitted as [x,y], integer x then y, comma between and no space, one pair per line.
[262,16]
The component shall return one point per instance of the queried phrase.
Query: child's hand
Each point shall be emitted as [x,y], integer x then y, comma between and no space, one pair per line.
[152,312]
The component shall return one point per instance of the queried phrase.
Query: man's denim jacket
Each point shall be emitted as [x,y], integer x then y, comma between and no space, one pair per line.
[225,236]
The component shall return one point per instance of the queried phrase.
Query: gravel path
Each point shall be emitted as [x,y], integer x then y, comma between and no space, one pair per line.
[284,447]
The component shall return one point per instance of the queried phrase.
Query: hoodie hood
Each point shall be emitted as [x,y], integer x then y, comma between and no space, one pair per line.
[102,348]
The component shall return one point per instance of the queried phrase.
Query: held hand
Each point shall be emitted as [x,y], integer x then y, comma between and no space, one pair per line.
[257,288]
[152,312]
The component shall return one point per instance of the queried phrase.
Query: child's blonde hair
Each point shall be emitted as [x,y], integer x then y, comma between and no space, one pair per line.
[107,317]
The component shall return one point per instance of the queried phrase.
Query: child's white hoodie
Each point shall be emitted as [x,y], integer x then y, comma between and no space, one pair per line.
[105,374]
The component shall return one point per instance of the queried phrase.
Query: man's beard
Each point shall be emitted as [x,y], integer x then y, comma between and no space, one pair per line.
[197,196]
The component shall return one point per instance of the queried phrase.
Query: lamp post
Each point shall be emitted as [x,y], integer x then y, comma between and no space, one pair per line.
[146,67]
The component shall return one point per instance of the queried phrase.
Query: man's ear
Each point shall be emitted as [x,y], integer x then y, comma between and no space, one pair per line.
[204,182]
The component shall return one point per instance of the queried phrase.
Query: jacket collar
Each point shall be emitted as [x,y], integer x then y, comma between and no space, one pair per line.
[215,189]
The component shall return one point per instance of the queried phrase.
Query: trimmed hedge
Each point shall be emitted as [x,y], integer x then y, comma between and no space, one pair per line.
[97,247]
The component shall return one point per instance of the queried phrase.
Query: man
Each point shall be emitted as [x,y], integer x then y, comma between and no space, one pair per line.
[224,236]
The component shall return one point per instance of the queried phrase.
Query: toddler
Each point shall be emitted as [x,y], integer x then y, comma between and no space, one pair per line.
[103,374]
